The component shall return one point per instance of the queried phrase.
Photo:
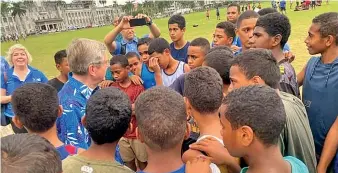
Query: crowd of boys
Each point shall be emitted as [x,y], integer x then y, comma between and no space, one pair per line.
[233,105]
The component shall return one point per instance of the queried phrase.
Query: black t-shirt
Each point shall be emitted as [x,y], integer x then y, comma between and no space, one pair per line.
[56,83]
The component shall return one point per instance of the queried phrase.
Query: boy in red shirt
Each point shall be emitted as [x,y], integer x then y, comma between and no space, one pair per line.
[131,149]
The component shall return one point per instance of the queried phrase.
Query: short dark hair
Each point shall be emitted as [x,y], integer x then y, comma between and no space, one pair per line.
[225,48]
[259,62]
[235,5]
[221,61]
[36,106]
[108,114]
[203,88]
[161,118]
[59,56]
[274,24]
[119,59]
[29,153]
[228,28]
[177,19]
[328,24]
[258,107]
[132,55]
[145,40]
[265,11]
[203,43]
[158,45]
[246,15]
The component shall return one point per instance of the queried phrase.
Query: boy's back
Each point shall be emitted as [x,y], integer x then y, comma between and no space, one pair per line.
[79,163]
[297,139]
[133,91]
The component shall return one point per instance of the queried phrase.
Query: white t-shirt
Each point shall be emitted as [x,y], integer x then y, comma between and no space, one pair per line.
[214,168]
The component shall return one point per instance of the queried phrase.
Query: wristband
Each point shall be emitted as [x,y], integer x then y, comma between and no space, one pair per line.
[150,22]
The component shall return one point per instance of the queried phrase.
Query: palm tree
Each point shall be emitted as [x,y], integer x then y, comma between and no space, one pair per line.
[18,10]
[5,8]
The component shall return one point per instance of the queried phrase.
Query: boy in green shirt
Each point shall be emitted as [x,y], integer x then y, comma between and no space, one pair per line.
[108,114]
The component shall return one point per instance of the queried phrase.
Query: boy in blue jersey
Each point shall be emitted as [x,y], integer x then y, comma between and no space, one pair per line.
[36,107]
[107,119]
[320,76]
[179,46]
[162,125]
[245,134]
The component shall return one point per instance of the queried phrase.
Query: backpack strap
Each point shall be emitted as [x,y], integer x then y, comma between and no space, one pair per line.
[123,49]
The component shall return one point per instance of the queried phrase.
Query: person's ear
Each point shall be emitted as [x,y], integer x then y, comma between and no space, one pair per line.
[329,41]
[236,31]
[187,131]
[128,67]
[183,30]
[91,70]
[60,111]
[17,122]
[257,80]
[231,40]
[139,135]
[166,51]
[83,120]
[246,135]
[276,40]
[58,66]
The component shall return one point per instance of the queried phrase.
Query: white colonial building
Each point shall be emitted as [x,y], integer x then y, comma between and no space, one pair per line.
[56,15]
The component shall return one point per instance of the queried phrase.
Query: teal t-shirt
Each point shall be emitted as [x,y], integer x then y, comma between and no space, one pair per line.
[297,166]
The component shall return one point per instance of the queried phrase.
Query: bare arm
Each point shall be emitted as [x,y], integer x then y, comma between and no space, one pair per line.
[300,77]
[109,39]
[5,99]
[186,68]
[329,149]
[154,30]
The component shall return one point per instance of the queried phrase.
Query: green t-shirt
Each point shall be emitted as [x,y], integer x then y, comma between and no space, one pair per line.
[296,138]
[80,164]
[297,166]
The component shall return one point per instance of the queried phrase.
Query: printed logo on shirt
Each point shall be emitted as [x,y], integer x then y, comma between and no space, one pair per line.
[86,169]
[307,103]
[36,79]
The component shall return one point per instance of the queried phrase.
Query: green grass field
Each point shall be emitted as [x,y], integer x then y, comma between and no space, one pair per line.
[43,47]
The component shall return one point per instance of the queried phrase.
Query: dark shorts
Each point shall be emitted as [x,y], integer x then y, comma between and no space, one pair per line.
[282,9]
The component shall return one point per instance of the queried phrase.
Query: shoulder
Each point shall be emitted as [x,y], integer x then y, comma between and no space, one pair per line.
[297,166]
[293,106]
[36,71]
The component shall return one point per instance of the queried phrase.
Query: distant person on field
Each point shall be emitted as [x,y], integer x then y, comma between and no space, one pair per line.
[107,119]
[179,46]
[162,126]
[319,77]
[20,73]
[166,68]
[217,13]
[29,153]
[36,107]
[61,63]
[282,6]
[208,14]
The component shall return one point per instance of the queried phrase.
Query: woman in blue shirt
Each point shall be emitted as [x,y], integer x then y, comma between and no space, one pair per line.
[20,73]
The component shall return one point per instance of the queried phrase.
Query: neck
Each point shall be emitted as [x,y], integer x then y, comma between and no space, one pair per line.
[180,43]
[125,83]
[101,152]
[63,78]
[269,158]
[277,52]
[172,63]
[51,136]
[85,79]
[21,68]
[205,121]
[330,55]
[172,161]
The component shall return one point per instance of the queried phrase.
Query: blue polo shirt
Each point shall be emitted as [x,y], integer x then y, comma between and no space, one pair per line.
[13,82]
[73,98]
[129,46]
[4,65]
